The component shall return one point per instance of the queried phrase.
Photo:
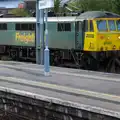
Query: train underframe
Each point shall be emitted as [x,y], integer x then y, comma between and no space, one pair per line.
[96,61]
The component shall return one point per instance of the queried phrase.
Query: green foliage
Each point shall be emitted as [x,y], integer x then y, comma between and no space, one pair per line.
[89,5]
[116,4]
[92,4]
[20,12]
[57,5]
[77,5]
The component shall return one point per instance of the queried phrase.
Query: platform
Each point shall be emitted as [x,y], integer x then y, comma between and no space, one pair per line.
[94,91]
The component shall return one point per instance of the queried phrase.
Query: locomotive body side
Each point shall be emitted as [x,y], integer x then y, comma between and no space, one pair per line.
[22,33]
[19,37]
[77,40]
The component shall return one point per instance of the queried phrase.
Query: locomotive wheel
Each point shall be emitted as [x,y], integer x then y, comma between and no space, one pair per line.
[84,61]
[89,63]
[14,54]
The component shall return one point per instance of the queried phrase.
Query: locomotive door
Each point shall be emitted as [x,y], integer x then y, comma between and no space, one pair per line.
[79,35]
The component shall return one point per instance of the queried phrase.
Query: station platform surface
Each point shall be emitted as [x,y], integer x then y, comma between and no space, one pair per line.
[96,89]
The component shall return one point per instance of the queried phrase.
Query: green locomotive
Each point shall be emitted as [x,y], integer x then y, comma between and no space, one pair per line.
[72,40]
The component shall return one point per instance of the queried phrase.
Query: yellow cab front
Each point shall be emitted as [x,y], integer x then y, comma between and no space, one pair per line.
[107,34]
[103,34]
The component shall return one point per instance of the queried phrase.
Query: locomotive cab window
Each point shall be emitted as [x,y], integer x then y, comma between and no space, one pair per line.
[102,25]
[3,26]
[111,24]
[118,25]
[64,27]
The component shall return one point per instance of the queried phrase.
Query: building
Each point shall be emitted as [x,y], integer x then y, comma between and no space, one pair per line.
[31,5]
[4,11]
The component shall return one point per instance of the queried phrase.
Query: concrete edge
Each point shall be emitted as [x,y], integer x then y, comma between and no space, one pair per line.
[62,102]
[55,87]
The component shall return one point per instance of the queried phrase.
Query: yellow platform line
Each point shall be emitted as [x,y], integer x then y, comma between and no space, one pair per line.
[63,89]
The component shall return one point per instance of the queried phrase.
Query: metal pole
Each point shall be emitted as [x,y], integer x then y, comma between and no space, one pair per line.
[42,35]
[37,33]
[46,51]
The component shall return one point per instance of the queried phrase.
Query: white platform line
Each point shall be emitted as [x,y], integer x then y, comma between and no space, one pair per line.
[83,92]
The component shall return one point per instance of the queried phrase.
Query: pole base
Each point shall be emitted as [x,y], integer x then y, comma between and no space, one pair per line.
[46,62]
[46,74]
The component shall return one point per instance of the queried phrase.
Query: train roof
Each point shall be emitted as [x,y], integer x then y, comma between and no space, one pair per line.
[81,17]
[33,19]
[98,14]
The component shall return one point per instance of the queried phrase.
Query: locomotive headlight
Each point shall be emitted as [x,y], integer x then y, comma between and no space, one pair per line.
[108,38]
[119,37]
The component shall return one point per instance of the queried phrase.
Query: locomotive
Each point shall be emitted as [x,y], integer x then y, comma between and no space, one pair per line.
[89,41]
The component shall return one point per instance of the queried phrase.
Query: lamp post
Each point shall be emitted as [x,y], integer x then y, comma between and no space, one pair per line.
[46,51]
[42,36]
[45,4]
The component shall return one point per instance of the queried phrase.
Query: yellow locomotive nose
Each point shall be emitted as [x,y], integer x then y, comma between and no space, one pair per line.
[108,34]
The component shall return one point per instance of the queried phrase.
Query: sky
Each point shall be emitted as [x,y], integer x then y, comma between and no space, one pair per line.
[14,3]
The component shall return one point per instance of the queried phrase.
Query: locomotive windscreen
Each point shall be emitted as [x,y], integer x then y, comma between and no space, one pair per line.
[108,25]
[102,25]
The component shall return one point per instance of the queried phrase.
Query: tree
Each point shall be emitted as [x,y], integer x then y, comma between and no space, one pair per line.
[20,12]
[86,5]
[116,4]
[56,8]
[89,5]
